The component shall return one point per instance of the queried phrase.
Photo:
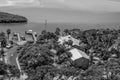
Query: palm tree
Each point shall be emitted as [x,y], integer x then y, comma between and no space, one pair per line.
[8,33]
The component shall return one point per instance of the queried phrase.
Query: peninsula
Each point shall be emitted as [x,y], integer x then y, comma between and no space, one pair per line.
[12,18]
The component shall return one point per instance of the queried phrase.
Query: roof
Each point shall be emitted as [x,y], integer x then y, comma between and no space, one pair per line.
[76,54]
[63,39]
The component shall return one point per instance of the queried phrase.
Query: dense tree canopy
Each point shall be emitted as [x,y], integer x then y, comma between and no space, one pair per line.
[9,70]
[11,18]
[47,59]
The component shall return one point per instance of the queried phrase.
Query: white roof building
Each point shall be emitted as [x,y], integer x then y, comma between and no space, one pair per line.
[76,54]
[63,39]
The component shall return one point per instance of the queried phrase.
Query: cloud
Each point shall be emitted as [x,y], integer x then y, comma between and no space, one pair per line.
[19,3]
[5,3]
[89,5]
[115,0]
[25,2]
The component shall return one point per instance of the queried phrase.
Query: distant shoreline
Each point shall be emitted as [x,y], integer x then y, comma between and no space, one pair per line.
[8,18]
[38,27]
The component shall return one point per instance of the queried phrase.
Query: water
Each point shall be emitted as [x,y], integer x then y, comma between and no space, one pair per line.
[38,27]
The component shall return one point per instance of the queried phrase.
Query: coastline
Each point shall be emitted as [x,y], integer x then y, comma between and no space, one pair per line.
[12,18]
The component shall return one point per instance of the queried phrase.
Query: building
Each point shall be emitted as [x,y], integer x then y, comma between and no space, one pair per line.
[76,54]
[80,58]
[64,39]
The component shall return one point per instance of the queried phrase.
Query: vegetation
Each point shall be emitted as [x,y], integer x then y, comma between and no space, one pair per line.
[3,42]
[48,60]
[11,18]
[8,31]
[6,70]
[40,63]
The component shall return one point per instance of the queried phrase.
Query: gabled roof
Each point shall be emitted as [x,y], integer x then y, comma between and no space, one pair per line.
[76,54]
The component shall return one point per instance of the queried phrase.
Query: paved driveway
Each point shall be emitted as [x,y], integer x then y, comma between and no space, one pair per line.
[12,56]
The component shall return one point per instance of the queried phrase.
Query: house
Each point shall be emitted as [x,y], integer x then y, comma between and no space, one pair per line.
[80,58]
[64,39]
[76,53]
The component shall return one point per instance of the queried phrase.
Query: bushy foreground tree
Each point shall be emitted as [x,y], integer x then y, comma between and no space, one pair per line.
[9,70]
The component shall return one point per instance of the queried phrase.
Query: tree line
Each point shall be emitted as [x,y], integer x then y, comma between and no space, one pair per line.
[11,18]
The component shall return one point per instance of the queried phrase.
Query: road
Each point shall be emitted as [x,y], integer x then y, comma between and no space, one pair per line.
[12,56]
[12,59]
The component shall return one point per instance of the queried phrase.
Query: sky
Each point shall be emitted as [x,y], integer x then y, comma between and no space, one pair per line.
[85,11]
[89,5]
